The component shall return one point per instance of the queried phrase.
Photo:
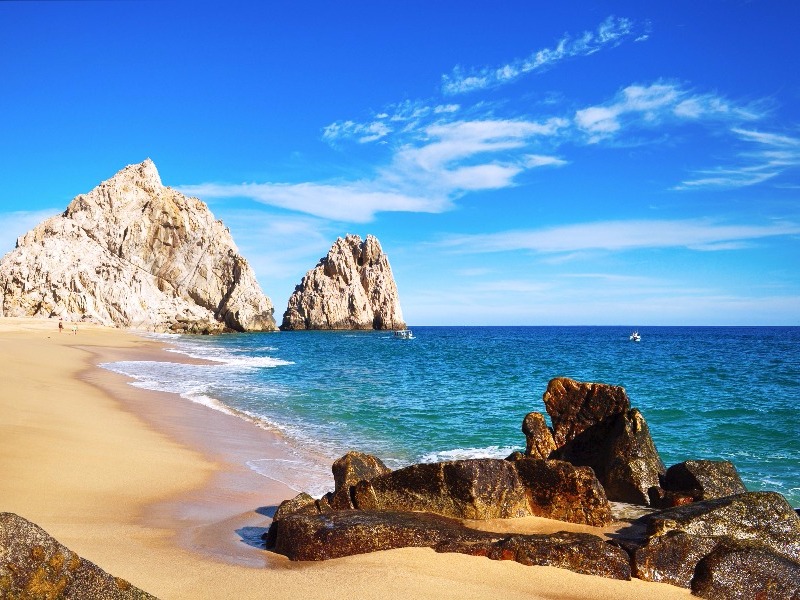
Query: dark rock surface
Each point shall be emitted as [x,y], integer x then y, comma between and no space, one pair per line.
[622,454]
[575,406]
[744,570]
[539,441]
[344,533]
[489,489]
[348,471]
[704,479]
[35,565]
[671,558]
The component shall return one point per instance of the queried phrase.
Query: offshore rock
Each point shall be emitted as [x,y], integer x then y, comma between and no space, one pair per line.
[345,533]
[539,441]
[704,479]
[575,406]
[134,253]
[350,288]
[489,489]
[737,570]
[35,565]
[594,426]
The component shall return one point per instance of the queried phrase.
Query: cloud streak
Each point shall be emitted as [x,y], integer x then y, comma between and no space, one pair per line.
[620,236]
[610,33]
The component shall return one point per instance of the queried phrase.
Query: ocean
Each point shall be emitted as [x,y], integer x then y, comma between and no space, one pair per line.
[716,393]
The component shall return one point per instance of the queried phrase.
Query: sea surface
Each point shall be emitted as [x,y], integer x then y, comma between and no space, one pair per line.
[729,393]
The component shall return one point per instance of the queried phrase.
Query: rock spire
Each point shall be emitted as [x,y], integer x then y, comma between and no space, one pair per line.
[134,253]
[350,288]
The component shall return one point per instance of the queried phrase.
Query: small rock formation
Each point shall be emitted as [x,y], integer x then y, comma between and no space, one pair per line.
[34,565]
[595,426]
[349,532]
[728,536]
[350,288]
[539,441]
[704,479]
[134,253]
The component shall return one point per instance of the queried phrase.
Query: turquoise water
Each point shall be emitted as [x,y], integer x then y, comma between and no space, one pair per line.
[452,392]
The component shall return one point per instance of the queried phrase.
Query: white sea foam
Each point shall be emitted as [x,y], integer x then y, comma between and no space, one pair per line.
[467,453]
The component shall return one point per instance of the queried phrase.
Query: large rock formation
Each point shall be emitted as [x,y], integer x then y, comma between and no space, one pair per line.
[35,565]
[350,288]
[134,253]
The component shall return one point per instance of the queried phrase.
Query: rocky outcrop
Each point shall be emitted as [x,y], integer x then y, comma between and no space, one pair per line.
[539,441]
[344,533]
[595,426]
[350,288]
[704,479]
[705,544]
[134,253]
[35,565]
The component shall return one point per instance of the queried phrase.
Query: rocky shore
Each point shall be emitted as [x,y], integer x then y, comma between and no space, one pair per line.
[701,528]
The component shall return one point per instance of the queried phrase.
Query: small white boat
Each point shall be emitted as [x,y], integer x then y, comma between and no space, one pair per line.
[404,334]
[635,337]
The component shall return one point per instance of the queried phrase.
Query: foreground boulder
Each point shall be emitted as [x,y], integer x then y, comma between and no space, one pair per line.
[134,253]
[489,489]
[744,533]
[352,287]
[594,426]
[34,565]
[345,533]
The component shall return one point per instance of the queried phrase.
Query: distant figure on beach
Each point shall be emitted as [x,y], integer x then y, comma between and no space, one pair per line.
[60,325]
[74,329]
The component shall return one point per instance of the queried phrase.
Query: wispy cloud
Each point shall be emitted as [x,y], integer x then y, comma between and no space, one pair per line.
[616,236]
[648,106]
[773,155]
[611,32]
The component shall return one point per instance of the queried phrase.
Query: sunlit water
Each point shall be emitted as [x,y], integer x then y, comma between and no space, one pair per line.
[453,392]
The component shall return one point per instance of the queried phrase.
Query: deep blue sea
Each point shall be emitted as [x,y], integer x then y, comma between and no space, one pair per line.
[728,393]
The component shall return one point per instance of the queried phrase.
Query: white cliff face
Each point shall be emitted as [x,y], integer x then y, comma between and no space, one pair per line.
[351,288]
[135,253]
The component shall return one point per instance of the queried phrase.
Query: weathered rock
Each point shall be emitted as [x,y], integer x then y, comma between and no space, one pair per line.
[744,570]
[350,288]
[489,489]
[348,471]
[345,533]
[135,253]
[704,479]
[559,490]
[574,406]
[671,558]
[464,489]
[35,565]
[539,441]
[622,454]
[762,517]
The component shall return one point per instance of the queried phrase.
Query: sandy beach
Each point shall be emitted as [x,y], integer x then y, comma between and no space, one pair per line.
[156,490]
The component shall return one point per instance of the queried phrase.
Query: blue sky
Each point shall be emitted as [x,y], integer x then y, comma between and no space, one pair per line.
[522,163]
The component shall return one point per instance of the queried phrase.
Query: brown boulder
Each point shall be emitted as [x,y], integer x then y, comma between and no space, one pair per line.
[761,517]
[539,441]
[744,570]
[575,406]
[704,479]
[348,471]
[671,558]
[463,489]
[344,533]
[559,490]
[35,565]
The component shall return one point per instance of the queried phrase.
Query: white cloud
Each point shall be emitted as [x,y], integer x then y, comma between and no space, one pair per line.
[618,236]
[538,160]
[782,152]
[611,32]
[651,105]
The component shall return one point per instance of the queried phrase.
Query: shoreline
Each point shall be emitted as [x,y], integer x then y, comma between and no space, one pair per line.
[147,485]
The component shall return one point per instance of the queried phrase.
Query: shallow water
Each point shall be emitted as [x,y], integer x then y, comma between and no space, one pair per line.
[452,392]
